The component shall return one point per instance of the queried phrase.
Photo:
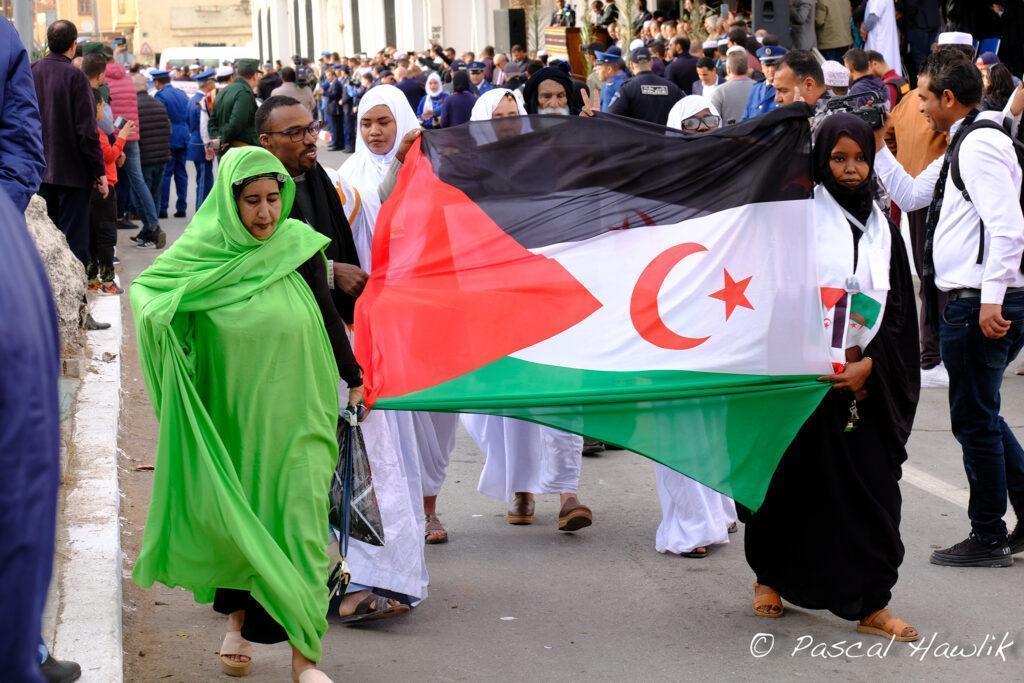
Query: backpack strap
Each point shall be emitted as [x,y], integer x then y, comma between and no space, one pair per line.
[958,181]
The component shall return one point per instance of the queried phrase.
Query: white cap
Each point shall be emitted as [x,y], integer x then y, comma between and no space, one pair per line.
[736,48]
[722,41]
[194,67]
[836,75]
[709,45]
[637,42]
[955,38]
[542,53]
[401,55]
[224,71]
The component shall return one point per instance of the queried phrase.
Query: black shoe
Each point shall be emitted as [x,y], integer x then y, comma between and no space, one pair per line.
[178,214]
[56,671]
[1016,539]
[163,214]
[971,552]
[125,224]
[592,446]
[92,325]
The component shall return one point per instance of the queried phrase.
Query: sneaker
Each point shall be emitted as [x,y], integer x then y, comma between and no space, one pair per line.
[57,671]
[163,214]
[116,261]
[111,288]
[179,214]
[161,239]
[138,236]
[1016,539]
[935,378]
[91,324]
[971,552]
[94,285]
[125,224]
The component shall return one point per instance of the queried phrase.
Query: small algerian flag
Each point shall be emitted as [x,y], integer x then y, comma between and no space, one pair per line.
[614,279]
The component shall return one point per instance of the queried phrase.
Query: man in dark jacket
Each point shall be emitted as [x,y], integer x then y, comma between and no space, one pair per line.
[646,96]
[154,153]
[175,101]
[234,109]
[682,70]
[71,144]
[285,129]
[862,80]
[21,146]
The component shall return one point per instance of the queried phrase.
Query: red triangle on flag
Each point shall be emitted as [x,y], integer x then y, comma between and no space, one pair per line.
[450,291]
[830,296]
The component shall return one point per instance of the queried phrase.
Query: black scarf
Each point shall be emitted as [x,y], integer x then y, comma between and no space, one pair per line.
[329,220]
[549,73]
[858,200]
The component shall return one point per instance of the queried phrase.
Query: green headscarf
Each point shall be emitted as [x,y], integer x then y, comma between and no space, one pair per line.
[240,371]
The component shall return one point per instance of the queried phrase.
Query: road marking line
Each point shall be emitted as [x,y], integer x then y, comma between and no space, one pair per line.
[957,495]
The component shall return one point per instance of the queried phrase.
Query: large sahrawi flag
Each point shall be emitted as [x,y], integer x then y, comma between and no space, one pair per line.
[645,288]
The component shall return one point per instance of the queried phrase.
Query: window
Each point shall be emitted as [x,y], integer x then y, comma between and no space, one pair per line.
[85,8]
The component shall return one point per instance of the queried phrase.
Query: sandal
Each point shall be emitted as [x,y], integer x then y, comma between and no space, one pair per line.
[435,531]
[235,645]
[732,528]
[882,623]
[374,608]
[313,676]
[699,551]
[767,602]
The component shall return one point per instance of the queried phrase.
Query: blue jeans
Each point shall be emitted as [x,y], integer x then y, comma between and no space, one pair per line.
[204,181]
[142,196]
[153,177]
[176,168]
[993,459]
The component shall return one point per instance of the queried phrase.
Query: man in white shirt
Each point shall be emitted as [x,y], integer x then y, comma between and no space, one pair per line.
[976,243]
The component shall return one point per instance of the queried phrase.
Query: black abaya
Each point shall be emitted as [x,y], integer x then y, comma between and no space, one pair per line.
[827,535]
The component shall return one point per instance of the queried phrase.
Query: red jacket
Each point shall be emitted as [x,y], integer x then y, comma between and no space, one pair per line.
[110,154]
[123,101]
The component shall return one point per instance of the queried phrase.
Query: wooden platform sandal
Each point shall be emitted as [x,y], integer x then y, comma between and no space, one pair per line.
[883,623]
[235,655]
[767,602]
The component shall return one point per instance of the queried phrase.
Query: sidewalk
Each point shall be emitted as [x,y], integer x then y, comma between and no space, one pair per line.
[84,607]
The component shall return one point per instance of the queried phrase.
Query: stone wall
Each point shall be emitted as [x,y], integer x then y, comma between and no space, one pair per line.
[67,277]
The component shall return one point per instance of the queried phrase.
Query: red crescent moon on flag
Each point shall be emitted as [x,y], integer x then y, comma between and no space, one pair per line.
[643,305]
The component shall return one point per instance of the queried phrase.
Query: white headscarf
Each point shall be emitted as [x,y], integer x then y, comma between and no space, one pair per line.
[485,105]
[364,171]
[687,107]
[434,78]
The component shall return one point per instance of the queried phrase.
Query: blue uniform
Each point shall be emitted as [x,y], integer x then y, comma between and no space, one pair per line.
[611,89]
[176,103]
[484,87]
[761,100]
[197,150]
[21,133]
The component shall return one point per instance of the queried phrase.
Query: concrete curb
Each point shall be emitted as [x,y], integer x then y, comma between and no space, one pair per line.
[89,618]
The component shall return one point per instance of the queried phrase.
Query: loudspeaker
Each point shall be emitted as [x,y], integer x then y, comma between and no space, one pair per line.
[509,29]
[773,16]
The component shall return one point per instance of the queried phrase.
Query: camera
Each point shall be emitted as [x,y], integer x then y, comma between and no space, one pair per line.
[868,106]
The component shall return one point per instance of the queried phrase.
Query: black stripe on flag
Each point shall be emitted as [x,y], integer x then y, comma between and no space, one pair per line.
[551,179]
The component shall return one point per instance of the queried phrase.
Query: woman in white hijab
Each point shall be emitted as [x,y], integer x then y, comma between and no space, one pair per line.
[692,515]
[429,109]
[396,441]
[522,458]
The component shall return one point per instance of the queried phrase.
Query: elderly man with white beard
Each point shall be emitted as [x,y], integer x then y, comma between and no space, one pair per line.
[550,91]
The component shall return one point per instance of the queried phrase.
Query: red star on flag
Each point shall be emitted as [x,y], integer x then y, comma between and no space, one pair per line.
[733,294]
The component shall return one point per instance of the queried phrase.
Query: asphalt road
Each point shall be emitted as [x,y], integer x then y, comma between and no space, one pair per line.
[528,603]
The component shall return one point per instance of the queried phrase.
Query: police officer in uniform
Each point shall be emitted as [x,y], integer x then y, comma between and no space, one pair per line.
[646,96]
[761,99]
[609,66]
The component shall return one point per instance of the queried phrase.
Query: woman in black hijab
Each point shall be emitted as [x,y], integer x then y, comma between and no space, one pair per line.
[541,93]
[457,109]
[827,535]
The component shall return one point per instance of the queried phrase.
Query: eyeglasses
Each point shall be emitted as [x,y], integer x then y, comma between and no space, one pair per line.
[299,134]
[694,122]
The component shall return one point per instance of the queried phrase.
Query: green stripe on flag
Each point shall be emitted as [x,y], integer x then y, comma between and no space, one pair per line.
[864,309]
[727,431]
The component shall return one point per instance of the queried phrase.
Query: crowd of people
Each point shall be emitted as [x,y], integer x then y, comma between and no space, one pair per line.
[280,247]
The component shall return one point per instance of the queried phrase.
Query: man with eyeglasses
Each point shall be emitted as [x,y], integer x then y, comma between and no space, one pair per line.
[287,130]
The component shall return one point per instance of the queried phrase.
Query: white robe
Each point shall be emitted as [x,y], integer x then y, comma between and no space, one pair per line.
[396,441]
[884,37]
[523,457]
[692,515]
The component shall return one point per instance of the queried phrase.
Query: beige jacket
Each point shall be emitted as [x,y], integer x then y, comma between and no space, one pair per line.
[832,21]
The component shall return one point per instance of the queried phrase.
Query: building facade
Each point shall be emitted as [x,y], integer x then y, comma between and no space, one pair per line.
[284,28]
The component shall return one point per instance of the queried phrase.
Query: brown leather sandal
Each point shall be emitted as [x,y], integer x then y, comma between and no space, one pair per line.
[767,602]
[883,623]
[435,531]
[521,512]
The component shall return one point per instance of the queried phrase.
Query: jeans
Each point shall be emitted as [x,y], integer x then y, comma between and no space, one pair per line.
[204,181]
[68,208]
[143,198]
[153,178]
[993,459]
[176,168]
[919,41]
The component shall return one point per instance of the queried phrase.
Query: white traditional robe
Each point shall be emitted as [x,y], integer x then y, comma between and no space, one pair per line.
[884,37]
[692,515]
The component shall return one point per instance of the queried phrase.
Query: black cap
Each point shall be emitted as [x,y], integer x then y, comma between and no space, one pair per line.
[640,55]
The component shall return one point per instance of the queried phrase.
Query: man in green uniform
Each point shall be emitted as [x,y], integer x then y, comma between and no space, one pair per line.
[234,111]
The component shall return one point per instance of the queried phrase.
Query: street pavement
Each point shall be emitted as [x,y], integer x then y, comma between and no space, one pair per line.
[529,603]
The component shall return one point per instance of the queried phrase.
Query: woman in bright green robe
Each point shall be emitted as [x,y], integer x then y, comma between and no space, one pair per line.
[241,373]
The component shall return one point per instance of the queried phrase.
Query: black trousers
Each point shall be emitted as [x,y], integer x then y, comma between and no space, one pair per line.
[259,626]
[102,235]
[929,339]
[68,208]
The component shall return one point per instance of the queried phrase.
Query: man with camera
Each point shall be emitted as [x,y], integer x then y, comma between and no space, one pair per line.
[973,246]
